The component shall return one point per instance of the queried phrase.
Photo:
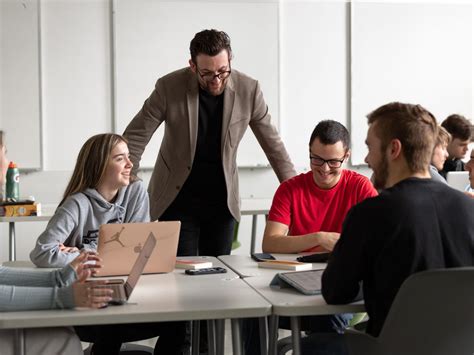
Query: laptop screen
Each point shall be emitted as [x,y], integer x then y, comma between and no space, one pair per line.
[140,264]
[458,179]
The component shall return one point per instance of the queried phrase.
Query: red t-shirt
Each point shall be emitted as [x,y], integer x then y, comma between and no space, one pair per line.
[305,208]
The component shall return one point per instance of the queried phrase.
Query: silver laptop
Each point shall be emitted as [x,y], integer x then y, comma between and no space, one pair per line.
[123,289]
[458,180]
[119,244]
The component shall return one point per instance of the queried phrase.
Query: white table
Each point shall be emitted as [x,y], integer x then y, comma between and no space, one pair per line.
[285,302]
[159,298]
[245,266]
[255,207]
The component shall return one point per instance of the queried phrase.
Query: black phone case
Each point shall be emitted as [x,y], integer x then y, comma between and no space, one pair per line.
[262,256]
[207,271]
[314,258]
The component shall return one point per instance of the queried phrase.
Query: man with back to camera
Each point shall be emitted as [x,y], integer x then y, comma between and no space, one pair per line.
[206,108]
[413,214]
[462,132]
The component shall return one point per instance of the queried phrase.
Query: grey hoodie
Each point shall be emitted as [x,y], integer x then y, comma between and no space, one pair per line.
[436,176]
[76,222]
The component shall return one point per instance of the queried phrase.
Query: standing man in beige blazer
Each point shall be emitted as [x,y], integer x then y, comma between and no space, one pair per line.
[206,108]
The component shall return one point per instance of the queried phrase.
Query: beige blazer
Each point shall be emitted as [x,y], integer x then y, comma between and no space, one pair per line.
[175,101]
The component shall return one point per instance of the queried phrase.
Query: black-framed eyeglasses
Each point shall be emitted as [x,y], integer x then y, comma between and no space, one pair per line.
[332,163]
[211,76]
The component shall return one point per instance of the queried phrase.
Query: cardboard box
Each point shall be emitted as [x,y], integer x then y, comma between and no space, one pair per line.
[21,210]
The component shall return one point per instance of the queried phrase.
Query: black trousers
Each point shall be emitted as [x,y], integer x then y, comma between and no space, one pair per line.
[108,338]
[206,229]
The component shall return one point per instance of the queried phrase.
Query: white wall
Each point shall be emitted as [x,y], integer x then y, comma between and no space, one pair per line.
[76,92]
[76,77]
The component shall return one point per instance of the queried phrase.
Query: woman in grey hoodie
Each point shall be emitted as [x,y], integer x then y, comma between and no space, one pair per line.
[102,190]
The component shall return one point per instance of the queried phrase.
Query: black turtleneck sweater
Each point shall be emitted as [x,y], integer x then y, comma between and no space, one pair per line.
[206,182]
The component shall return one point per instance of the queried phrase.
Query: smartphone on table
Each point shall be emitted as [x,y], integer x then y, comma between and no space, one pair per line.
[206,271]
[262,256]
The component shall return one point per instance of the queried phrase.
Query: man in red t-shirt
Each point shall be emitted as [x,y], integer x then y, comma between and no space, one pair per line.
[308,210]
[307,214]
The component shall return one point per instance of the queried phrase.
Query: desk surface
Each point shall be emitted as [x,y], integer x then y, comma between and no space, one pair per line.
[245,266]
[25,219]
[286,301]
[160,297]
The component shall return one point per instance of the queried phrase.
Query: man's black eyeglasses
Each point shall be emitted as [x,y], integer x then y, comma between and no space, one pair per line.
[332,163]
[211,76]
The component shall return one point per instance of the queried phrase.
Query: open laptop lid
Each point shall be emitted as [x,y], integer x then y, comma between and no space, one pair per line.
[140,264]
[458,179]
[120,243]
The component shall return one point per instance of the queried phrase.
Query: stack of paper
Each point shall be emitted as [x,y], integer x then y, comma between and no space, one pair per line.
[285,265]
[192,264]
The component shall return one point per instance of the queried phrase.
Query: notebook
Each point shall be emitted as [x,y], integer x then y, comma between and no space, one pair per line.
[122,290]
[458,180]
[306,282]
[190,264]
[285,265]
[119,245]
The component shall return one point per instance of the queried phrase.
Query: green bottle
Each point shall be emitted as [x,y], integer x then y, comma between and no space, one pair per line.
[13,182]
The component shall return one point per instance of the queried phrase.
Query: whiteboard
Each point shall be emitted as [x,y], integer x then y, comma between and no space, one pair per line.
[152,39]
[19,82]
[416,53]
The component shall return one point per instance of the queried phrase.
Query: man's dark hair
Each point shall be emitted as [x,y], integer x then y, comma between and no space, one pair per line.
[211,43]
[459,127]
[331,132]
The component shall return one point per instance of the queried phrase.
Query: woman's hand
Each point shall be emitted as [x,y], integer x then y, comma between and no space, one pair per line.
[93,294]
[87,262]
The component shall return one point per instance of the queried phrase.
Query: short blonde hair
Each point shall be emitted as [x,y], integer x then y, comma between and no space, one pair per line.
[443,137]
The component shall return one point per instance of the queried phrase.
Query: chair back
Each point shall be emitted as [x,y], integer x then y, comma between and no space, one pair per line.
[433,313]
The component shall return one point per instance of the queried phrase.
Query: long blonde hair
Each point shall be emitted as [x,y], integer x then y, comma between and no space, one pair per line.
[92,162]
